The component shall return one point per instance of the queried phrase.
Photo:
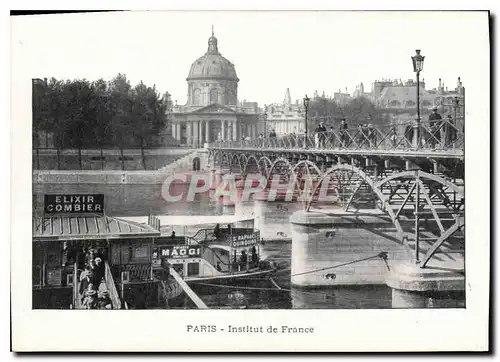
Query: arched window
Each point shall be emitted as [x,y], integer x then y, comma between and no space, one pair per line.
[214,96]
[395,103]
[426,103]
[197,97]
[410,103]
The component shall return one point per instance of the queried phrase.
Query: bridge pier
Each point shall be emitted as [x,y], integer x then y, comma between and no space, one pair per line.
[336,247]
[243,208]
[415,287]
[272,216]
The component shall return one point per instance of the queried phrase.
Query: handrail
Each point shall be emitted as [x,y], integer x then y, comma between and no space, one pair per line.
[444,134]
[207,247]
[195,236]
[110,285]
[76,287]
[165,294]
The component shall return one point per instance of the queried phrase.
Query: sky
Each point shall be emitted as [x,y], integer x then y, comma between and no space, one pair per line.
[271,50]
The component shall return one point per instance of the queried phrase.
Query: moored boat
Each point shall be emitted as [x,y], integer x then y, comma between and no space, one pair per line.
[199,249]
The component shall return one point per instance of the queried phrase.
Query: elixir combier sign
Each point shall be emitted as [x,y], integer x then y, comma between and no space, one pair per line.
[74,204]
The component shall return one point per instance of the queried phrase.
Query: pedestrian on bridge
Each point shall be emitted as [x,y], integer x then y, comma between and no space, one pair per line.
[435,123]
[361,136]
[343,133]
[321,134]
[450,132]
[372,136]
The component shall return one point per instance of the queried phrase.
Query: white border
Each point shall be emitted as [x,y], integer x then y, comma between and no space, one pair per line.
[336,330]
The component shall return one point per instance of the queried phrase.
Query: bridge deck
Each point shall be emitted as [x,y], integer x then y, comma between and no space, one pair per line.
[409,153]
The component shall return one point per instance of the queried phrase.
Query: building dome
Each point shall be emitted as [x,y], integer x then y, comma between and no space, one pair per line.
[212,65]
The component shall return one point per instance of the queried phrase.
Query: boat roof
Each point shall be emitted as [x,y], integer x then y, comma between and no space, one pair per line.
[89,227]
[187,220]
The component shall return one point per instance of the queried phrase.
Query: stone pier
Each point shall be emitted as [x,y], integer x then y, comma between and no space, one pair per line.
[415,287]
[272,215]
[336,247]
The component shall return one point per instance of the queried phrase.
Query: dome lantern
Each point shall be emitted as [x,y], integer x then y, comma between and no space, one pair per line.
[212,65]
[212,44]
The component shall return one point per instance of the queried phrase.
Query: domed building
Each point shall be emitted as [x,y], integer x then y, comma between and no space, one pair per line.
[212,111]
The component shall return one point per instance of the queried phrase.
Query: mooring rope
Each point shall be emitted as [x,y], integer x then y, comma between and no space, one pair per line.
[382,255]
[254,288]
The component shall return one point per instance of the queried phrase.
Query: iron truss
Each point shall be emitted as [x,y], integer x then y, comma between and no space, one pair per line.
[420,189]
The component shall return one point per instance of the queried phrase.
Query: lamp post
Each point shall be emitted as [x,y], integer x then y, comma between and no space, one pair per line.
[418,66]
[456,106]
[307,100]
[265,124]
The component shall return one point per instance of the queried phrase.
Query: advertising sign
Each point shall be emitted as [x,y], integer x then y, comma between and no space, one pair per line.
[74,204]
[177,251]
[241,241]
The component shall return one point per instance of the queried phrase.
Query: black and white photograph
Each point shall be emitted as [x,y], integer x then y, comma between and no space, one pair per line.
[251,160]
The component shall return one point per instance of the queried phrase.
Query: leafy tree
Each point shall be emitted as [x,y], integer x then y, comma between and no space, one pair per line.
[88,114]
[323,109]
[361,110]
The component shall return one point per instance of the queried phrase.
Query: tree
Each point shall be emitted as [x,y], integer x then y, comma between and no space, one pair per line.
[323,109]
[96,114]
[361,110]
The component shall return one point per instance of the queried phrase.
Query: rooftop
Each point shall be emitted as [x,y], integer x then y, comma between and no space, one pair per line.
[88,227]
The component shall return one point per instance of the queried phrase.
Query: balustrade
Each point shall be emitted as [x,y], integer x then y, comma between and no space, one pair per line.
[440,135]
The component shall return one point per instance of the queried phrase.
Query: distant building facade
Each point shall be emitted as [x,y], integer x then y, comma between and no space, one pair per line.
[285,117]
[399,98]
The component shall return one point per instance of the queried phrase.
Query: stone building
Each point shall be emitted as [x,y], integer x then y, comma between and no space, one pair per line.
[212,111]
[285,117]
[399,98]
[342,98]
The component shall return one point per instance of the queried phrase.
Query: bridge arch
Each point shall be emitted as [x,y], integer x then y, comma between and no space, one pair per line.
[235,160]
[196,164]
[430,194]
[263,163]
[249,163]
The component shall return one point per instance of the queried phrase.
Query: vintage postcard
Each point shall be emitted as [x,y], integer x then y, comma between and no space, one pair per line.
[250,181]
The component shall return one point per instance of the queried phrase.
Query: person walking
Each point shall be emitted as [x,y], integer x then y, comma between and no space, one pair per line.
[360,136]
[435,121]
[343,132]
[321,132]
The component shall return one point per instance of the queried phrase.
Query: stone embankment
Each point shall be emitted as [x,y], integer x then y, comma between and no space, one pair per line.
[130,177]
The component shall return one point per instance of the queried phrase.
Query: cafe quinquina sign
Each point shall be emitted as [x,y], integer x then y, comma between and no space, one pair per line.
[74,204]
[244,240]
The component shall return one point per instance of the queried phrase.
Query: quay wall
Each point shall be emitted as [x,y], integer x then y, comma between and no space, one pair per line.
[109,159]
[120,177]
[99,177]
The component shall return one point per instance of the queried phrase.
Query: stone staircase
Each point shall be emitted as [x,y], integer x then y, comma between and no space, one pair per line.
[188,162]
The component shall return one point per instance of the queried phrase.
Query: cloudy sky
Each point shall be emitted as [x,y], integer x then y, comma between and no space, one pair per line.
[272,51]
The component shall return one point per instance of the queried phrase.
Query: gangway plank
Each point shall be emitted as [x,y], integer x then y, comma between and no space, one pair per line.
[192,295]
[111,287]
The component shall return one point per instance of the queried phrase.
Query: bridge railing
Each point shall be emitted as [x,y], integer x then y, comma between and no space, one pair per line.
[440,134]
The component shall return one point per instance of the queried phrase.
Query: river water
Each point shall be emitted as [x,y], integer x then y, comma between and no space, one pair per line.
[140,200]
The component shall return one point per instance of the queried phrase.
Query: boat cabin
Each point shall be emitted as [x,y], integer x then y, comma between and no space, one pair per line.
[61,245]
[201,248]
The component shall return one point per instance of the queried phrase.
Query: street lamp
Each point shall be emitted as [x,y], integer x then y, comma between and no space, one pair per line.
[307,100]
[265,124]
[418,66]
[456,105]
